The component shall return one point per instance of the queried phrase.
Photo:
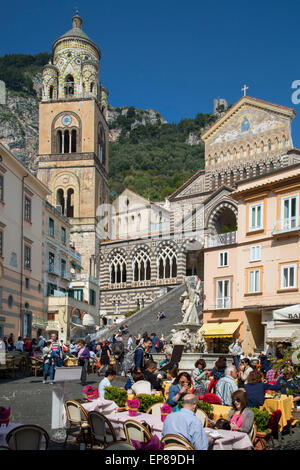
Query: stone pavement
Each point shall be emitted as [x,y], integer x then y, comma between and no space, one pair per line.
[31,401]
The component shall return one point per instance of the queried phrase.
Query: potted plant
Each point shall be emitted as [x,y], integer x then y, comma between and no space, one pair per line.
[261,420]
[118,395]
[148,400]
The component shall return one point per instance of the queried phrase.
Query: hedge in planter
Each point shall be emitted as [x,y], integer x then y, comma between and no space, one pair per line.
[261,419]
[118,395]
[148,400]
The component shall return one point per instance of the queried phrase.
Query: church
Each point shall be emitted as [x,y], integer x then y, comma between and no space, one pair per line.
[137,248]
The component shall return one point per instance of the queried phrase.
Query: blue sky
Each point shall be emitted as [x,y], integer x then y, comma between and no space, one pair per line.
[173,56]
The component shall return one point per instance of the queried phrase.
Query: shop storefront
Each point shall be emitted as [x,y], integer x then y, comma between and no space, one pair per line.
[219,335]
[283,331]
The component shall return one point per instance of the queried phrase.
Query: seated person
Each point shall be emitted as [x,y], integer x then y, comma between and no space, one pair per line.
[255,389]
[289,381]
[179,388]
[136,375]
[241,417]
[185,424]
[227,385]
[161,315]
[217,373]
[200,377]
[244,371]
[110,374]
[150,376]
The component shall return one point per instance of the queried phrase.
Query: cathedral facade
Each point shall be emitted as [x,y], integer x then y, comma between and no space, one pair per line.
[253,137]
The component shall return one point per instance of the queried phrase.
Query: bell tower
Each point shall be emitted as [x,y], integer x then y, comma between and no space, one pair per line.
[73,137]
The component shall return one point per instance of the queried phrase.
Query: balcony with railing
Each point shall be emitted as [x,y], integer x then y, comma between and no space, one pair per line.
[221,239]
[222,303]
[52,269]
[74,254]
[290,225]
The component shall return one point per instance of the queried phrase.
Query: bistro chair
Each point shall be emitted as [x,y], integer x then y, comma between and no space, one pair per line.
[78,418]
[203,417]
[136,431]
[141,386]
[27,437]
[175,447]
[155,409]
[119,445]
[174,439]
[99,424]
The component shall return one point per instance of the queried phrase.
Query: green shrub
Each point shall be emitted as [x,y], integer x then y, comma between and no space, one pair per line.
[261,419]
[128,314]
[148,400]
[206,407]
[118,395]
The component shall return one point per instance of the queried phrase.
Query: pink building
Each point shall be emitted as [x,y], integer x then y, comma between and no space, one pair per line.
[250,275]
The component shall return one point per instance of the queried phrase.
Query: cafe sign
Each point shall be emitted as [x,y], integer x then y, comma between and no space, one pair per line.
[287,313]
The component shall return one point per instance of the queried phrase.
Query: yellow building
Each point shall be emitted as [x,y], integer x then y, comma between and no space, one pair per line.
[21,248]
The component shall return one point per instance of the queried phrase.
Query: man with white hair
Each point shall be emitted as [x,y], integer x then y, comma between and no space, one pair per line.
[227,385]
[184,423]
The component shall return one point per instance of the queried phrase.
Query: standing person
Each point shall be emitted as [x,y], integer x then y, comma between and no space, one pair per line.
[185,424]
[27,345]
[41,343]
[20,344]
[235,349]
[119,354]
[154,338]
[10,342]
[104,356]
[49,362]
[72,347]
[56,350]
[130,343]
[83,356]
[139,354]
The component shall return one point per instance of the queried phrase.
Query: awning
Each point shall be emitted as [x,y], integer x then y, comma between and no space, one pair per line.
[76,264]
[220,329]
[281,334]
[287,313]
[77,325]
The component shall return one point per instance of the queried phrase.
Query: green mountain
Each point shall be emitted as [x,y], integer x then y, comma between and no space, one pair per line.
[147,154]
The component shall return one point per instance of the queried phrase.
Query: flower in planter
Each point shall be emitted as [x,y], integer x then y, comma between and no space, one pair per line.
[133,406]
[152,444]
[90,392]
[165,410]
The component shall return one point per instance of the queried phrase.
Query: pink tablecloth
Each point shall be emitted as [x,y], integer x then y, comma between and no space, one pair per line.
[230,440]
[117,420]
[99,404]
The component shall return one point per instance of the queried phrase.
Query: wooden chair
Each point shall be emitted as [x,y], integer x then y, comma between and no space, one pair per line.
[93,363]
[203,417]
[27,437]
[77,417]
[119,445]
[252,434]
[35,365]
[175,447]
[98,424]
[155,409]
[174,439]
[136,431]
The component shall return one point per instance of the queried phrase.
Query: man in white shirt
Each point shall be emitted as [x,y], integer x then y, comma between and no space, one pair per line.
[236,350]
[110,374]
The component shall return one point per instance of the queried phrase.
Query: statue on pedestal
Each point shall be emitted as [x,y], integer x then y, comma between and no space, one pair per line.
[190,299]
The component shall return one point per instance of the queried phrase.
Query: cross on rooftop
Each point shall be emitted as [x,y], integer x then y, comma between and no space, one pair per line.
[245,89]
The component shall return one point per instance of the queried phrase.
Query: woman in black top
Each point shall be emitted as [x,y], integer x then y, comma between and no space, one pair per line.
[256,389]
[104,357]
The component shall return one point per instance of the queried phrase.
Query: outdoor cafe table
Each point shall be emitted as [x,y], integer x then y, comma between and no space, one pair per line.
[99,404]
[285,404]
[230,440]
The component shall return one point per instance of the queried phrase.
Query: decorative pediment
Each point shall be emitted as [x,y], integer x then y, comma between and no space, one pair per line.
[195,185]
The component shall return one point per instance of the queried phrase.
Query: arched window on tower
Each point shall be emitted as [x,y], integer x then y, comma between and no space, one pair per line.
[51,92]
[59,141]
[69,87]
[70,202]
[101,146]
[60,200]
[73,140]
[92,87]
[66,142]
[166,262]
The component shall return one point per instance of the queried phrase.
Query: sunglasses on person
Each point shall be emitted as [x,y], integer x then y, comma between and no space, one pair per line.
[183,382]
[237,400]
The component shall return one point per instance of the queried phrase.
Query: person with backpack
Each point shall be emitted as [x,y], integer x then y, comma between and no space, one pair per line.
[159,345]
[140,352]
[154,339]
[118,349]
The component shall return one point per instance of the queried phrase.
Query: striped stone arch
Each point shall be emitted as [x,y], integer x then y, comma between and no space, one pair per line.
[141,262]
[167,259]
[142,246]
[115,251]
[216,212]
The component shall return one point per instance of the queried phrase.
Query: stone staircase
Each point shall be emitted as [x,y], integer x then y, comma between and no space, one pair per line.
[145,319]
